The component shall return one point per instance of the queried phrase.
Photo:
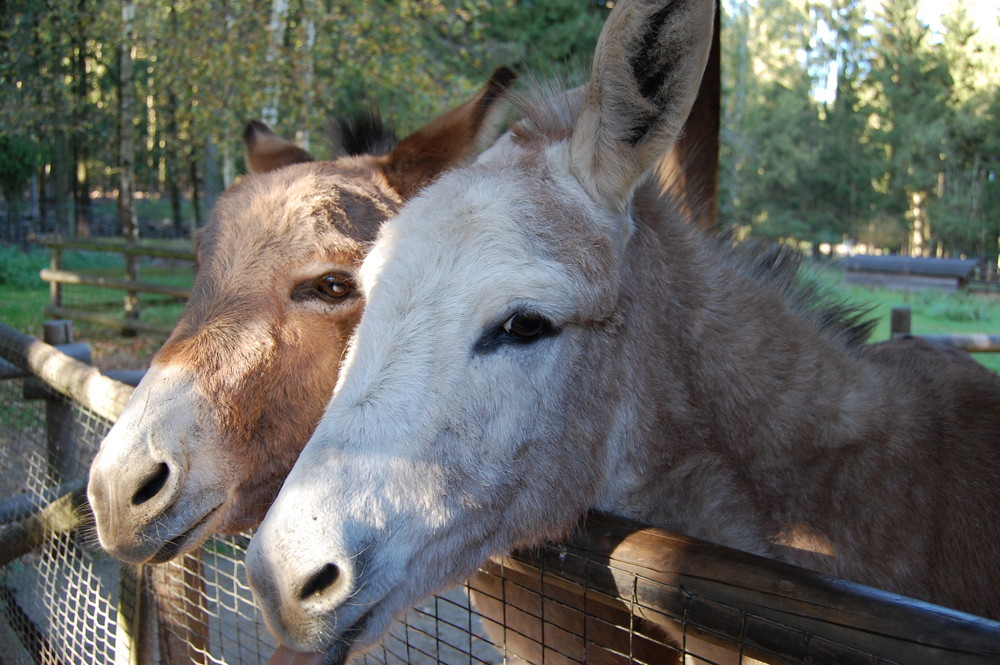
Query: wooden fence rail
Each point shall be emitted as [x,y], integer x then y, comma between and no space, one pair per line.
[57,276]
[971,342]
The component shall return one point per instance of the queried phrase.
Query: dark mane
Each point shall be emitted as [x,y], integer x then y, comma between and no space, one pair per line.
[781,267]
[362,133]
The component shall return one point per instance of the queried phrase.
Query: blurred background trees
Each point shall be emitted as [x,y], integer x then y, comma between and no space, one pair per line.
[844,120]
[857,121]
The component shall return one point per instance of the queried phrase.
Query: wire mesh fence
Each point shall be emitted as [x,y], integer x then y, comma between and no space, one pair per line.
[615,593]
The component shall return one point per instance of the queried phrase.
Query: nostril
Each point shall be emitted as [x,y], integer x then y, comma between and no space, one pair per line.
[321,581]
[153,484]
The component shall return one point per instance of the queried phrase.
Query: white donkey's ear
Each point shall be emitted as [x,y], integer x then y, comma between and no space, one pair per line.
[648,65]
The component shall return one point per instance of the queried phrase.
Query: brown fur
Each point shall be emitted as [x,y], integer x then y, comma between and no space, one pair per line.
[267,152]
[772,428]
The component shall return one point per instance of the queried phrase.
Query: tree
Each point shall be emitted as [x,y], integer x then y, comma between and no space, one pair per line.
[841,185]
[771,123]
[960,210]
[910,84]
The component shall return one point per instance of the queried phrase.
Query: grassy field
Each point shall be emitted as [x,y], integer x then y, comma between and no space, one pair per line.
[23,295]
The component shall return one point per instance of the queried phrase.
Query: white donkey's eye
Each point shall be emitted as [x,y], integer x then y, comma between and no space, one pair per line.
[526,326]
[522,327]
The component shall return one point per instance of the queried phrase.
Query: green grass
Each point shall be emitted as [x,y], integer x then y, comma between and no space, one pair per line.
[21,307]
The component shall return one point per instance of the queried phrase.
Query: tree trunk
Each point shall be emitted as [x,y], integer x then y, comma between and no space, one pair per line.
[276,30]
[78,146]
[62,190]
[197,221]
[173,171]
[126,158]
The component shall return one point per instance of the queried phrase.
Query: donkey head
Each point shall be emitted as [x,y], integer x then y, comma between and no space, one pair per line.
[232,397]
[478,407]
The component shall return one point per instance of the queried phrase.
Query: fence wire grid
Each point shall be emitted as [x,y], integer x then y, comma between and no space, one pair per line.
[597,599]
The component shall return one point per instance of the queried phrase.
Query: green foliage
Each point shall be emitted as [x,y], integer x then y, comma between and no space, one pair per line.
[542,37]
[19,267]
[19,158]
[910,132]
[904,153]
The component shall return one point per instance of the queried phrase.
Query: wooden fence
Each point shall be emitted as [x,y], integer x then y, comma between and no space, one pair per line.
[130,324]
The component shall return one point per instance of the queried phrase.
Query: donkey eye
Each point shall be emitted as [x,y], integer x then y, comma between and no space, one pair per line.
[332,288]
[523,327]
[526,326]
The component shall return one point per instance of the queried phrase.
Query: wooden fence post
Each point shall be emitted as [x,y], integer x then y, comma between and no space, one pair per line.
[899,323]
[131,297]
[55,288]
[59,411]
[178,592]
[132,638]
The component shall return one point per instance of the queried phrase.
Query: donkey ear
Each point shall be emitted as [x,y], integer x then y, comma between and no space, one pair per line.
[648,64]
[451,139]
[268,152]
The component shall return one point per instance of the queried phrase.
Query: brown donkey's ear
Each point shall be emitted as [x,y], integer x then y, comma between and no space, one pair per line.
[268,152]
[451,139]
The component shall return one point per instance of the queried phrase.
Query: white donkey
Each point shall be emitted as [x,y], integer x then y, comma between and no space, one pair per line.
[542,335]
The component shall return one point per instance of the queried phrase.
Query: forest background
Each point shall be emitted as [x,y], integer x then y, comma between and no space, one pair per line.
[845,123]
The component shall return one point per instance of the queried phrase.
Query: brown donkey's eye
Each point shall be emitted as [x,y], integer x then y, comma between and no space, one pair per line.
[333,288]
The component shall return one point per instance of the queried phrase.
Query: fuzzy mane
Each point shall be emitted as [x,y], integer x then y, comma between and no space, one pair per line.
[547,109]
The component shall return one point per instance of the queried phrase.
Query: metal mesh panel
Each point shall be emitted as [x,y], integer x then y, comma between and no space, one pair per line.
[614,594]
[60,599]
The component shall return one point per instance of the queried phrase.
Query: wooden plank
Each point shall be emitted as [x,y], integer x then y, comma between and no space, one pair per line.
[900,282]
[72,277]
[971,342]
[105,320]
[62,515]
[667,575]
[120,246]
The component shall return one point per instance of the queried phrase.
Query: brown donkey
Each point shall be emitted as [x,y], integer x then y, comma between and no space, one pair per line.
[543,334]
[234,393]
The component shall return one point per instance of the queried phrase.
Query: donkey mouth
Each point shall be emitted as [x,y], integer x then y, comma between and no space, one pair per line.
[339,652]
[173,547]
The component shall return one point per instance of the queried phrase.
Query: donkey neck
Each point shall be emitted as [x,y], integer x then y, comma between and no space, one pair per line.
[728,388]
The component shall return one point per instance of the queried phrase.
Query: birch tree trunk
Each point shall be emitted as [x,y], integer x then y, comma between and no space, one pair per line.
[126,158]
[308,65]
[276,30]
